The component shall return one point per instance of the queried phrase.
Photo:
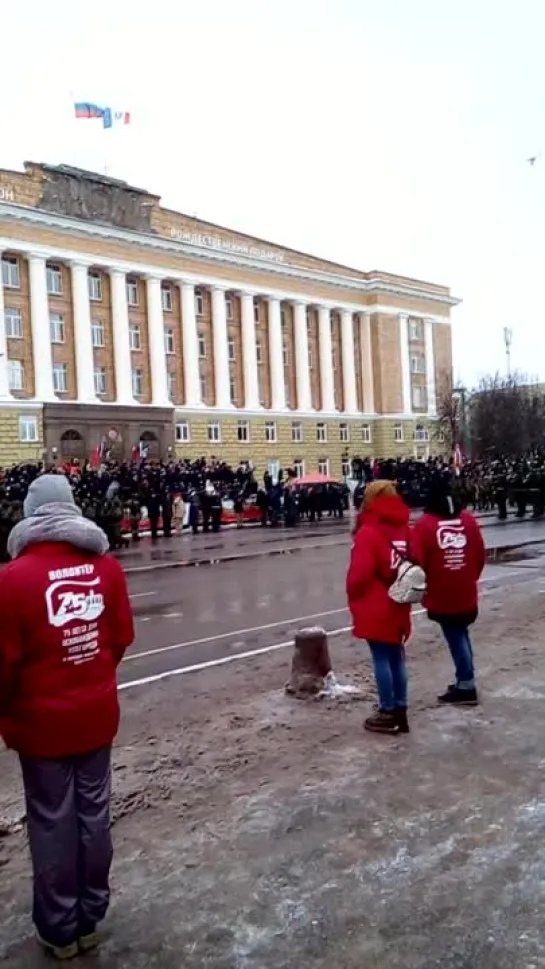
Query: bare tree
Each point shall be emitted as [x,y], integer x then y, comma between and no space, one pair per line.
[450,413]
[506,416]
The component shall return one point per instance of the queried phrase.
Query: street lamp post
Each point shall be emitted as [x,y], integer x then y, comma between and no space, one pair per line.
[508,339]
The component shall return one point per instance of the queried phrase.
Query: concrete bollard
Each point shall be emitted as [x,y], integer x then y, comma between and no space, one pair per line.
[310,663]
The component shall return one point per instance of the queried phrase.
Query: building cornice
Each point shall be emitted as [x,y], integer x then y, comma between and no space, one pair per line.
[28,216]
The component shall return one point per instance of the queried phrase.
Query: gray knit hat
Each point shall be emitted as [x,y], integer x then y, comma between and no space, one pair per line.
[46,490]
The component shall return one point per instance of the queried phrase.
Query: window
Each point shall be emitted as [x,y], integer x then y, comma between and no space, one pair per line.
[310,363]
[323,466]
[214,432]
[136,380]
[232,388]
[258,356]
[344,433]
[416,329]
[299,468]
[182,433]
[418,363]
[56,328]
[421,434]
[285,353]
[419,398]
[231,349]
[171,385]
[256,311]
[202,347]
[60,378]
[169,341]
[309,321]
[134,337]
[346,468]
[199,303]
[54,280]
[287,397]
[321,432]
[10,272]
[229,307]
[283,317]
[28,430]
[166,297]
[399,435]
[440,437]
[366,434]
[243,432]
[100,381]
[13,323]
[270,432]
[97,333]
[94,282]
[204,388]
[16,375]
[132,291]
[297,432]
[334,361]
[333,320]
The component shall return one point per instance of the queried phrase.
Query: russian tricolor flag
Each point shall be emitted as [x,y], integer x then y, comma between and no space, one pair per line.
[84,110]
[115,119]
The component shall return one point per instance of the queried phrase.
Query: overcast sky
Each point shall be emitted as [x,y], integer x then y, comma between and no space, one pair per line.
[384,134]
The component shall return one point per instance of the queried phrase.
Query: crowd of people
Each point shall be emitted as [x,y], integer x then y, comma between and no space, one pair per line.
[172,494]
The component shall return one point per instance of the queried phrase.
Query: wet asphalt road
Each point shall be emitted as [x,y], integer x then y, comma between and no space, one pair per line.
[197,615]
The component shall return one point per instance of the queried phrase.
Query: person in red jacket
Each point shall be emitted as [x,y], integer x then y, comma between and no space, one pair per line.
[380,541]
[66,623]
[448,544]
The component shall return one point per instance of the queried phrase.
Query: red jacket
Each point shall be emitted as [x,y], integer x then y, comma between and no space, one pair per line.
[66,623]
[373,568]
[453,555]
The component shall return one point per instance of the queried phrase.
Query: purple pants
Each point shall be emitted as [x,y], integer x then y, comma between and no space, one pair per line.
[68,812]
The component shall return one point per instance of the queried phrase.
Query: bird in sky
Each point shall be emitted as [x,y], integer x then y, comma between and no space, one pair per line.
[532,160]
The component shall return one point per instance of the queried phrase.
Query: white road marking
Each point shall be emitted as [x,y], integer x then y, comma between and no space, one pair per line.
[139,595]
[262,650]
[256,629]
[234,632]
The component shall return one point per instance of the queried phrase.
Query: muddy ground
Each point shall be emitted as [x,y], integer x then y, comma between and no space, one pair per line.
[254,831]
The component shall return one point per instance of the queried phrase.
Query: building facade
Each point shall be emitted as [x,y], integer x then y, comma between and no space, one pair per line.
[125,322]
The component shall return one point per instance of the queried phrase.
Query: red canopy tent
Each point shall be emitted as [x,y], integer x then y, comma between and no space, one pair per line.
[316,479]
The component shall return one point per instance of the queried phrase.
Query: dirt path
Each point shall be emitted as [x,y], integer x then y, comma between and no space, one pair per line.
[257,832]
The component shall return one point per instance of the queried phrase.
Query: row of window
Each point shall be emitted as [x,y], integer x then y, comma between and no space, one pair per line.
[16,379]
[271,435]
[54,281]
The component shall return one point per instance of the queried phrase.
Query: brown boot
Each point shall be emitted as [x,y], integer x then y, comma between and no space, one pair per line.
[401,717]
[382,721]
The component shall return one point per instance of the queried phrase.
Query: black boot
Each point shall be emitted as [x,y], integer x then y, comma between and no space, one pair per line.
[383,721]
[461,698]
[402,721]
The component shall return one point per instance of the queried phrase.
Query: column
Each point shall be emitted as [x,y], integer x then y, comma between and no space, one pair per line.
[83,341]
[276,356]
[120,330]
[430,368]
[156,340]
[302,372]
[367,364]
[350,394]
[405,363]
[249,355]
[221,356]
[40,329]
[190,347]
[327,380]
[4,372]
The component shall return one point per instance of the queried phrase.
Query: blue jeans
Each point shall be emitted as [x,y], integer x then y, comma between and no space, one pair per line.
[390,675]
[461,650]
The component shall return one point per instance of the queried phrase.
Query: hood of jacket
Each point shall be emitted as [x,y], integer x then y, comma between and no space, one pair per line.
[389,510]
[57,522]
